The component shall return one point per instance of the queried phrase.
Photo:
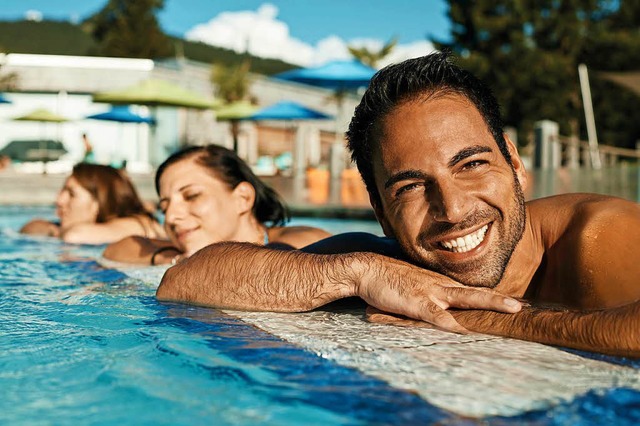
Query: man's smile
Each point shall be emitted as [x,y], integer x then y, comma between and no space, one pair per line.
[466,242]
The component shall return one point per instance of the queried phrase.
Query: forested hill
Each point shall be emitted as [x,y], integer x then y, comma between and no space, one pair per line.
[65,38]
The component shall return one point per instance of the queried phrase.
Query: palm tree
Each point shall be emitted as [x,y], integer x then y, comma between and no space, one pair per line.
[8,81]
[233,85]
[372,57]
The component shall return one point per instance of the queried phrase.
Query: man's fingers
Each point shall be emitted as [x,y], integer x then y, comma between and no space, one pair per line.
[430,317]
[443,320]
[471,298]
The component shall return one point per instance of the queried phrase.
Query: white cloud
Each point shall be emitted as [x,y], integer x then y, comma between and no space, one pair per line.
[262,34]
[33,15]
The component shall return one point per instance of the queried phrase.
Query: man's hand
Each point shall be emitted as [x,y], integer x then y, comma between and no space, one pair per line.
[377,316]
[400,288]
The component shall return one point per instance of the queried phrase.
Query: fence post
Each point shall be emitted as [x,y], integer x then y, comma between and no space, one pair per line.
[547,147]
[573,152]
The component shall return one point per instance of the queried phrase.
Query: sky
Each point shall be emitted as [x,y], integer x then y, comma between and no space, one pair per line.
[303,32]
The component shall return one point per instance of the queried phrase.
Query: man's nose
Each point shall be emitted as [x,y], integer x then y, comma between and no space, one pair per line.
[449,202]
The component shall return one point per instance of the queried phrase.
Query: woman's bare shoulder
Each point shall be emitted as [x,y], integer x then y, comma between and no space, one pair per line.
[41,227]
[296,236]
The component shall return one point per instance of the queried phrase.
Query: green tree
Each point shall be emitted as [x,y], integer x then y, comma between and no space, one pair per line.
[528,51]
[232,84]
[8,81]
[129,28]
[372,57]
[232,81]
[614,45]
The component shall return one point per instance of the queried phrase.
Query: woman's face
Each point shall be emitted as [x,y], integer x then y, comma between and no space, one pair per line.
[75,204]
[199,208]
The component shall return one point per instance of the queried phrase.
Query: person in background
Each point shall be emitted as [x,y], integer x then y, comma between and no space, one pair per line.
[89,156]
[208,195]
[5,162]
[97,205]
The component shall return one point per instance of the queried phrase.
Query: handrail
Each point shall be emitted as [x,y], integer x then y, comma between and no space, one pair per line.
[604,149]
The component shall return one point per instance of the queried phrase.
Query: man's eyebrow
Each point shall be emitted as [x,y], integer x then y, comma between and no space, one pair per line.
[407,174]
[468,152]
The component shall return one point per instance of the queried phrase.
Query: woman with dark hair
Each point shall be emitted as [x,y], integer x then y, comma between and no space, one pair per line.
[209,195]
[97,205]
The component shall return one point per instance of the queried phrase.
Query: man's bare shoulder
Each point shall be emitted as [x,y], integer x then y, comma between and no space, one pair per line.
[591,245]
[561,215]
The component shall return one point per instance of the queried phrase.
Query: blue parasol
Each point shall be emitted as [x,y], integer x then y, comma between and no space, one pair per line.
[4,100]
[287,110]
[122,114]
[339,76]
[336,75]
[291,111]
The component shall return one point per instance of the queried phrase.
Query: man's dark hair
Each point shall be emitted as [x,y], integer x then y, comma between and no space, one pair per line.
[419,78]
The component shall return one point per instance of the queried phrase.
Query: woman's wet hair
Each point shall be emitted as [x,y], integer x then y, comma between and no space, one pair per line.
[426,77]
[113,190]
[225,165]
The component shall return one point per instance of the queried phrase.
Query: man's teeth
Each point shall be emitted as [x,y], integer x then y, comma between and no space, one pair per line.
[466,243]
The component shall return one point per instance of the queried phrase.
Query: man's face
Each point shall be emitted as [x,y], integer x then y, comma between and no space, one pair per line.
[447,193]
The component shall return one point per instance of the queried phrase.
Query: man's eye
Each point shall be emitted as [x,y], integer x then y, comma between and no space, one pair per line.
[407,188]
[474,164]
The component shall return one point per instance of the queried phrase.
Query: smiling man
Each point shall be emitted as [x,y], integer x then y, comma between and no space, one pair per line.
[447,187]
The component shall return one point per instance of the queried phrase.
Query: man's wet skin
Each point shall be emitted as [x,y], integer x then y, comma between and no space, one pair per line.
[453,202]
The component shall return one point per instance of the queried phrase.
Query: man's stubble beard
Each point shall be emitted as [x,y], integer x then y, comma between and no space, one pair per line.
[487,272]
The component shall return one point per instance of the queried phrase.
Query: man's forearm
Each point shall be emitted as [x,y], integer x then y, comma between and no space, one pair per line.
[243,276]
[612,331]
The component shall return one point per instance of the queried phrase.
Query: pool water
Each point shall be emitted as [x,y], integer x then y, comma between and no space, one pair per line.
[81,343]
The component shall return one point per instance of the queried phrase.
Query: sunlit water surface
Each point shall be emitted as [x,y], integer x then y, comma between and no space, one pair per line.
[83,344]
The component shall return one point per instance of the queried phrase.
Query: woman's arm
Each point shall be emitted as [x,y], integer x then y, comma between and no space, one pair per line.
[141,251]
[104,233]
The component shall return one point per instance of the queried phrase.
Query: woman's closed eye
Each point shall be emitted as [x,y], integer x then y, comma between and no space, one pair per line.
[190,196]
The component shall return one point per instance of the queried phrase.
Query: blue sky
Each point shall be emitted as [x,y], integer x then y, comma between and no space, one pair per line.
[307,31]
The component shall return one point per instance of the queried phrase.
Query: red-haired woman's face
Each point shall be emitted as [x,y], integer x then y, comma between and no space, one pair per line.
[75,204]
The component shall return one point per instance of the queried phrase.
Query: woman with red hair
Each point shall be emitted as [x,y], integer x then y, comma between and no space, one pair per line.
[97,205]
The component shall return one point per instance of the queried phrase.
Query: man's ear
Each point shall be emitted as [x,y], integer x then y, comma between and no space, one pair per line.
[378,210]
[244,195]
[516,162]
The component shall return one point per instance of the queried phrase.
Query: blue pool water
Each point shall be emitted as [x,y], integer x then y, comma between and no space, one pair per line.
[84,344]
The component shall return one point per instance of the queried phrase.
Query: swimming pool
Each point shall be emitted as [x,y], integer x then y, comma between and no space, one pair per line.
[83,343]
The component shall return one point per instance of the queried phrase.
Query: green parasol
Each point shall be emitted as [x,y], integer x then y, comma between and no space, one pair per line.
[44,152]
[154,92]
[234,112]
[43,115]
[238,110]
